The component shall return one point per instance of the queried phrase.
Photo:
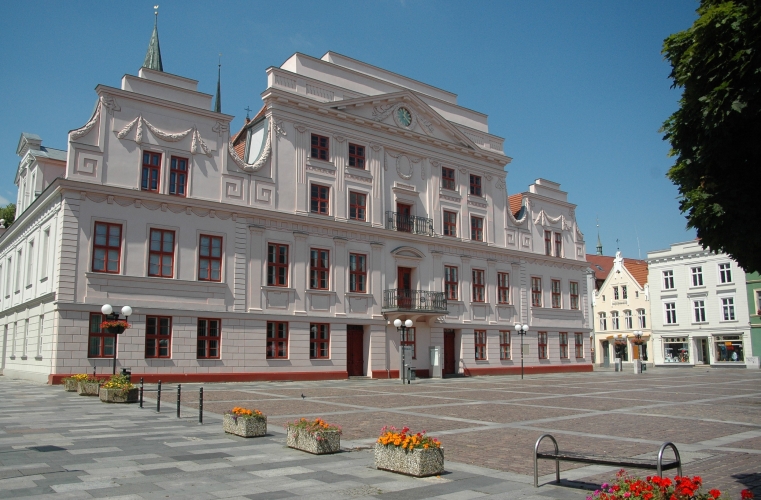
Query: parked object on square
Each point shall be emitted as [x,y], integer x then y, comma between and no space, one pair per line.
[314,436]
[118,389]
[88,387]
[244,422]
[415,455]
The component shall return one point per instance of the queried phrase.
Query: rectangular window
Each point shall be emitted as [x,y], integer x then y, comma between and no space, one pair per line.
[725,273]
[475,185]
[44,256]
[356,156]
[178,176]
[158,336]
[603,322]
[320,147]
[277,340]
[450,223]
[210,258]
[408,339]
[319,341]
[558,245]
[503,288]
[40,325]
[107,248]
[624,293]
[450,282]
[480,344]
[614,320]
[563,342]
[504,344]
[478,285]
[542,344]
[699,306]
[151,171]
[209,338]
[161,253]
[668,280]
[19,263]
[697,275]
[8,271]
[548,243]
[277,265]
[579,338]
[30,263]
[357,273]
[728,308]
[574,286]
[628,320]
[642,318]
[536,291]
[557,301]
[319,269]
[670,313]
[320,198]
[447,178]
[357,206]
[476,228]
[615,293]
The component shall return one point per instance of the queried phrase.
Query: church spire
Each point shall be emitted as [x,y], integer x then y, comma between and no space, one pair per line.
[599,243]
[153,57]
[218,98]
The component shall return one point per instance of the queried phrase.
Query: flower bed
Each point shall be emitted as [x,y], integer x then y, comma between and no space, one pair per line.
[245,423]
[70,383]
[118,390]
[88,386]
[416,455]
[314,436]
[626,487]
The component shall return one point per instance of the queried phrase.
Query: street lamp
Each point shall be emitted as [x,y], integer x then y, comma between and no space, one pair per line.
[108,312]
[402,327]
[521,330]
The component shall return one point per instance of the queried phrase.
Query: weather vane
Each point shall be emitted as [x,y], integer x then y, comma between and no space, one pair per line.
[156,9]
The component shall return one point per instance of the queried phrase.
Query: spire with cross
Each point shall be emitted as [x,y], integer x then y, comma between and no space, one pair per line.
[599,243]
[153,56]
[247,109]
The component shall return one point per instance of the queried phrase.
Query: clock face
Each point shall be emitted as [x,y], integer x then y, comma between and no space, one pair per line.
[404,116]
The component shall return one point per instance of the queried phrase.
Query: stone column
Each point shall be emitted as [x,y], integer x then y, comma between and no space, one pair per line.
[300,259]
[257,256]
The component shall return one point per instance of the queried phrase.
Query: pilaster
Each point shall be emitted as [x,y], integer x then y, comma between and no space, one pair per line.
[340,270]
[300,261]
[302,146]
[466,280]
[376,278]
[491,290]
[256,271]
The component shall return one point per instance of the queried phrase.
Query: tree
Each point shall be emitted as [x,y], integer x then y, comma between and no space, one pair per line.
[8,213]
[715,134]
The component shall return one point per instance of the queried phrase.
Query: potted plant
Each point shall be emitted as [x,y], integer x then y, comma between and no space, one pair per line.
[118,390]
[88,386]
[244,422]
[416,455]
[314,436]
[626,487]
[70,383]
[115,326]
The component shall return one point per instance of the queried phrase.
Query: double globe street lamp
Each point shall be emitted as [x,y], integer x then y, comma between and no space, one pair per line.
[521,330]
[116,329]
[402,327]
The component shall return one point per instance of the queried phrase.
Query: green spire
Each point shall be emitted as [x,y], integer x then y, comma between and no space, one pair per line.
[599,243]
[153,57]
[218,98]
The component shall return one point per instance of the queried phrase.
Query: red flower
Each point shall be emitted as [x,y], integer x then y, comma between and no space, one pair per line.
[746,494]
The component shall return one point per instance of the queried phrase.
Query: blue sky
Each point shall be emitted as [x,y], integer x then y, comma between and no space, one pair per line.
[578,89]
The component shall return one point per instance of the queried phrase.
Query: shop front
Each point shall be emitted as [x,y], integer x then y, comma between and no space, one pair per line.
[676,350]
[729,349]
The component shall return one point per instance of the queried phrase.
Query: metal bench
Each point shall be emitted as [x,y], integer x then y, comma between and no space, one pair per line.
[639,463]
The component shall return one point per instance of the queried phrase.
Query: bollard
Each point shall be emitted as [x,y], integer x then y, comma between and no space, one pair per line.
[179,389]
[158,399]
[200,405]
[141,392]
[93,372]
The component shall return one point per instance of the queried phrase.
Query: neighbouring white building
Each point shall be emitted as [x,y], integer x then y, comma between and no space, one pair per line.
[699,307]
[286,250]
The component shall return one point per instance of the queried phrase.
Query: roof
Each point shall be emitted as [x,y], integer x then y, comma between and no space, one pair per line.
[602,265]
[638,270]
[153,56]
[239,139]
[516,202]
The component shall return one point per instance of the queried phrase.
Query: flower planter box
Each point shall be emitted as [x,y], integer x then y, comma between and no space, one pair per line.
[328,442]
[88,388]
[70,385]
[244,427]
[119,395]
[418,462]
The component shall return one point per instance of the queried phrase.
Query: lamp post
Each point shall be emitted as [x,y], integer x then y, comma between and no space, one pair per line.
[402,327]
[521,330]
[108,312]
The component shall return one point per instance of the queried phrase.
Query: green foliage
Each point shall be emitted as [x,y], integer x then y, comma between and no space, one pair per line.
[715,134]
[8,213]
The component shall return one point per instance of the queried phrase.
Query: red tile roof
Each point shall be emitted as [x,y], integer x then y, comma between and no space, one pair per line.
[637,268]
[516,202]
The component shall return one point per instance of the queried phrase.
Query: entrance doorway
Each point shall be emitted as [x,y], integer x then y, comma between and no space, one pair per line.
[704,357]
[404,287]
[355,342]
[404,217]
[449,353]
[605,354]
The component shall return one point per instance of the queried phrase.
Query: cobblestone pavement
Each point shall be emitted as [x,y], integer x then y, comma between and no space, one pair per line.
[57,443]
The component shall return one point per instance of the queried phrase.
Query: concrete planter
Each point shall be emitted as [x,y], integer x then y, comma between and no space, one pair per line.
[329,442]
[119,395]
[244,427]
[88,388]
[70,385]
[417,463]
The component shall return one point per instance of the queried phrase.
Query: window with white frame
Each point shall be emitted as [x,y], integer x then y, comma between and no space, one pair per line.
[699,307]
[668,280]
[670,308]
[697,275]
[758,302]
[18,271]
[628,320]
[725,273]
[614,325]
[39,335]
[728,308]
[44,254]
[25,343]
[615,293]
[624,293]
[29,263]
[603,322]
[642,318]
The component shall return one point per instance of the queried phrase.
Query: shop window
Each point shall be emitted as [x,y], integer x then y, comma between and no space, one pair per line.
[277,265]
[450,282]
[106,249]
[642,318]
[579,344]
[603,322]
[319,269]
[320,196]
[478,285]
[178,176]
[725,273]
[574,286]
[557,301]
[670,308]
[628,320]
[161,253]
[542,345]
[447,178]
[699,308]
[357,273]
[320,147]
[450,223]
[728,309]
[408,339]
[209,338]
[697,275]
[158,336]
[151,172]
[548,243]
[475,185]
[558,245]
[101,344]
[357,206]
[503,288]
[621,347]
[563,343]
[356,156]
[668,280]
[614,325]
[476,228]
[210,258]
[480,344]
[277,340]
[536,291]
[319,341]
[504,344]
[676,350]
[729,348]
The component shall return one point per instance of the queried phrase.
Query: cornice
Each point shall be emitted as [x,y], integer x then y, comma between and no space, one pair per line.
[126,94]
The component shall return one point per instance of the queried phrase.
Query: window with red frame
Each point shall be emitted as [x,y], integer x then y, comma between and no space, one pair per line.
[556,298]
[536,291]
[101,344]
[357,273]
[151,171]
[209,338]
[504,344]
[503,288]
[319,341]
[450,282]
[558,245]
[408,338]
[574,287]
[563,341]
[158,336]
[450,223]
[320,199]
[476,228]
[475,185]
[542,343]
[548,243]
[277,265]
[277,340]
[161,253]
[478,285]
[106,248]
[178,176]
[210,258]
[579,339]
[356,156]
[320,147]
[480,344]
[319,269]
[447,178]
[357,206]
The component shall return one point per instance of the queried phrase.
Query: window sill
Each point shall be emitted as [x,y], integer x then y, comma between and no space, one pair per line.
[44,279]
[24,357]
[12,356]
[38,358]
[320,216]
[154,279]
[478,303]
[728,321]
[326,291]
[28,286]
[360,295]
[314,162]
[272,288]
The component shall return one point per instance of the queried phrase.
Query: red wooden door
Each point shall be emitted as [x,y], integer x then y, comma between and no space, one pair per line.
[404,287]
[355,360]
[403,217]
[449,353]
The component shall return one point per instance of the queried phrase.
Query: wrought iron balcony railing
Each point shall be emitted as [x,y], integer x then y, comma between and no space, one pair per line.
[409,223]
[414,300]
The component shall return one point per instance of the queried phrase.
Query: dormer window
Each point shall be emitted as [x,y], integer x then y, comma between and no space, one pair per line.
[320,147]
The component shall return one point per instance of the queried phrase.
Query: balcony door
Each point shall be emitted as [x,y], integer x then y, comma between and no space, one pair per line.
[404,217]
[404,287]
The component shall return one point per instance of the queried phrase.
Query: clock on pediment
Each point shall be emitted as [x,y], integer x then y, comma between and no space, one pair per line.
[403,116]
